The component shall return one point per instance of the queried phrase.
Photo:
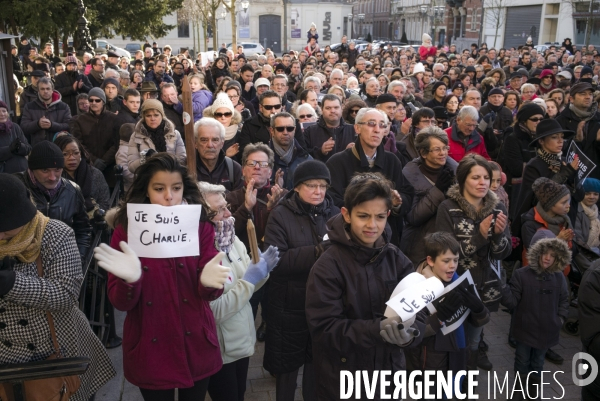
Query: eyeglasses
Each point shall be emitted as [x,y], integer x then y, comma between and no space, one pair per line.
[226,114]
[287,128]
[222,209]
[95,100]
[453,102]
[443,149]
[254,163]
[427,121]
[233,97]
[69,154]
[535,119]
[354,111]
[314,187]
[271,106]
[374,124]
[301,116]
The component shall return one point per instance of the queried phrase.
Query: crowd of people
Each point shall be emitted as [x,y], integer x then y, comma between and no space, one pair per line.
[356,168]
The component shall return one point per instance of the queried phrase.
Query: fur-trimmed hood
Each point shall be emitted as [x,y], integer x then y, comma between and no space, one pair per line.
[561,249]
[502,75]
[489,203]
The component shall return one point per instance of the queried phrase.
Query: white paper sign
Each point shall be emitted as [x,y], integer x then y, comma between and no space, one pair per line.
[156,231]
[420,293]
[463,312]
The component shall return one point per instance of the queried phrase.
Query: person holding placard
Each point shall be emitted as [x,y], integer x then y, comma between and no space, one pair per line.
[169,338]
[232,311]
[439,351]
[479,222]
[349,285]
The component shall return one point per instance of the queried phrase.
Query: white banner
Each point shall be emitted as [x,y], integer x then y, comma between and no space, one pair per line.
[412,294]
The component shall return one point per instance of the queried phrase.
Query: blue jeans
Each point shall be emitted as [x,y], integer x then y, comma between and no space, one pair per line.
[528,359]
[473,335]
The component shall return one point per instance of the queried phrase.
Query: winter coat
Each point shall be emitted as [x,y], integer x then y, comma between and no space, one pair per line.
[200,100]
[458,150]
[232,310]
[316,135]
[295,228]
[409,142]
[535,169]
[420,221]
[125,116]
[169,337]
[175,117]
[99,135]
[152,77]
[28,95]
[589,322]
[121,160]
[515,154]
[439,351]
[425,52]
[457,216]
[589,145]
[300,155]
[345,164]
[533,221]
[57,112]
[115,105]
[255,130]
[67,205]
[140,140]
[346,293]
[64,85]
[220,174]
[541,89]
[504,117]
[25,334]
[11,162]
[539,297]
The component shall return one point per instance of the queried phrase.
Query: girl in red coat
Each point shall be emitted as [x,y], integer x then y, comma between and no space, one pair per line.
[169,337]
[427,48]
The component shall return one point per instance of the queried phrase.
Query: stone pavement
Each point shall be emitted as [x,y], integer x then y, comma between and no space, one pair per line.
[261,385]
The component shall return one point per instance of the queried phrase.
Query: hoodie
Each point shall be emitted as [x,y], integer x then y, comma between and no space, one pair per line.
[543,89]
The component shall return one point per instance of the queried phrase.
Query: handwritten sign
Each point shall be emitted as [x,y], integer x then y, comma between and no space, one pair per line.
[461,313]
[586,165]
[156,231]
[414,294]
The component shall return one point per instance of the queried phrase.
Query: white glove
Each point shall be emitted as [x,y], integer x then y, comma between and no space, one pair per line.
[395,333]
[125,265]
[214,275]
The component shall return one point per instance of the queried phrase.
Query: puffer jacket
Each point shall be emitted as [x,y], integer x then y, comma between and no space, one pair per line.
[316,135]
[57,112]
[457,216]
[346,293]
[420,221]
[232,311]
[67,205]
[140,141]
[539,297]
[295,228]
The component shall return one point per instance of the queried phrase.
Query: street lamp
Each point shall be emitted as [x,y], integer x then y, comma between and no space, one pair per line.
[350,16]
[361,18]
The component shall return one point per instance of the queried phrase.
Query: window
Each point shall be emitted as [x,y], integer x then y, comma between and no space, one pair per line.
[183,26]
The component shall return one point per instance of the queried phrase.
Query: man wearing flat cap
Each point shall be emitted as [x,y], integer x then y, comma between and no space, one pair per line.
[30,93]
[582,117]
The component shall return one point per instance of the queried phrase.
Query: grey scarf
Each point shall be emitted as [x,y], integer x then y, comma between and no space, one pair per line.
[285,155]
[582,114]
[554,223]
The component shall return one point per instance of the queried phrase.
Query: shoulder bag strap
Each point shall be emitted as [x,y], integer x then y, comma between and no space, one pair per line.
[38,262]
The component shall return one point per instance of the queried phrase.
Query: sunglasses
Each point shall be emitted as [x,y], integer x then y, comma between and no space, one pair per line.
[354,111]
[305,116]
[288,129]
[95,100]
[535,120]
[271,107]
[226,114]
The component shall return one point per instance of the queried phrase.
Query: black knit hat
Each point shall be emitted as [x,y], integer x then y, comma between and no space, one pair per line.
[311,170]
[45,154]
[496,91]
[527,111]
[548,192]
[16,207]
[437,85]
[386,98]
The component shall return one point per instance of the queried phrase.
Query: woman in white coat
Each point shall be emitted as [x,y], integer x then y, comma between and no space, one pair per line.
[232,311]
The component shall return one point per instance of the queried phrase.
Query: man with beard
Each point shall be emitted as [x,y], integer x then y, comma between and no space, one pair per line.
[45,116]
[158,75]
[48,54]
[71,83]
[526,61]
[96,76]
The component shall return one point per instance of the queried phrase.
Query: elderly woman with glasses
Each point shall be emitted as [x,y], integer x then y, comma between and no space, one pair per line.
[431,174]
[306,114]
[528,92]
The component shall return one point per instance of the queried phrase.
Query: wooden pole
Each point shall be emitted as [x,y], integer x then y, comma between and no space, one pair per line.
[252,241]
[188,126]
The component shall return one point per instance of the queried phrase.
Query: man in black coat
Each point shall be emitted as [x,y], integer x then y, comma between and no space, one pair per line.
[17,63]
[246,80]
[331,134]
[130,109]
[582,117]
[368,155]
[257,129]
[498,115]
[71,83]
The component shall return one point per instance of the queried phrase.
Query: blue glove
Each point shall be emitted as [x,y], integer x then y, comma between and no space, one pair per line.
[256,272]
[271,256]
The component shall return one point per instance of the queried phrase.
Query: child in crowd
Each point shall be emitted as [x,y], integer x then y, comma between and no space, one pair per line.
[587,224]
[312,33]
[349,285]
[201,97]
[439,351]
[539,297]
[497,183]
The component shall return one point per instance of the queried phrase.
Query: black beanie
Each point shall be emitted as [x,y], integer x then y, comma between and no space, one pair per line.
[16,207]
[528,110]
[548,192]
[45,154]
[496,91]
[311,170]
[437,85]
